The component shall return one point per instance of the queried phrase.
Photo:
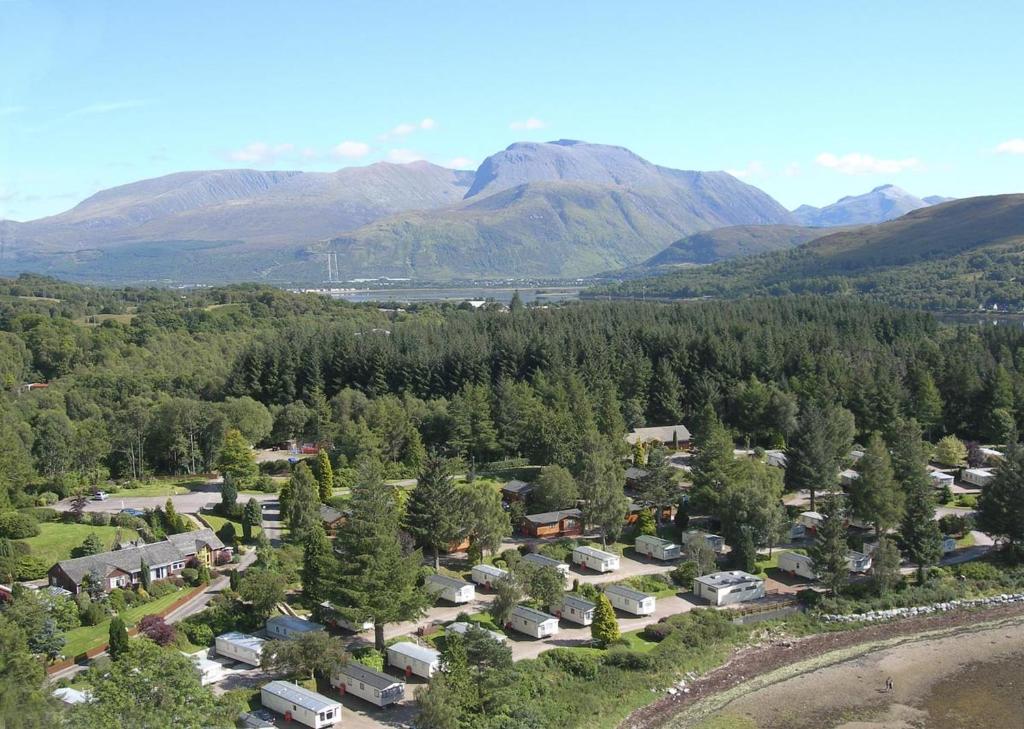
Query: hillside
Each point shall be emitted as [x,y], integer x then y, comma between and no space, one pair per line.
[957,255]
[886,202]
[735,241]
[557,209]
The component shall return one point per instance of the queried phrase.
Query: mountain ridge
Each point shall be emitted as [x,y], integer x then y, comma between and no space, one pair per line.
[882,203]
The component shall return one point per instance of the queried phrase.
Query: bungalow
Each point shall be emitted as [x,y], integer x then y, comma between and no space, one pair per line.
[240,647]
[674,436]
[462,627]
[542,560]
[378,688]
[487,575]
[635,477]
[848,476]
[978,476]
[331,518]
[516,490]
[714,541]
[532,622]
[300,704]
[629,600]
[728,588]
[451,589]
[656,548]
[123,567]
[595,559]
[576,610]
[290,627]
[563,523]
[414,659]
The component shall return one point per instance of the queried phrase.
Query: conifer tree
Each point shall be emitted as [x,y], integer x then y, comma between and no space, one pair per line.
[92,545]
[251,517]
[600,481]
[325,475]
[146,577]
[434,513]
[117,641]
[830,550]
[875,496]
[316,564]
[604,629]
[919,533]
[303,502]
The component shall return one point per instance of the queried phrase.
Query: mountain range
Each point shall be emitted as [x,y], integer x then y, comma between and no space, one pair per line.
[885,202]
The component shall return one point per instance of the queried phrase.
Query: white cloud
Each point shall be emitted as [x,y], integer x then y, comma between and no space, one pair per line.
[531,123]
[1011,146]
[260,152]
[403,156]
[428,124]
[462,163]
[792,169]
[406,128]
[751,170]
[109,106]
[863,164]
[351,150]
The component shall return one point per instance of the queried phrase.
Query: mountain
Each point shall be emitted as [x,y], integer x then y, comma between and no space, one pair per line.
[956,255]
[556,209]
[886,202]
[736,241]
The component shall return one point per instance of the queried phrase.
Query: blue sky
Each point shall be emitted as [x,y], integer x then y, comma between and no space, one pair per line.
[809,101]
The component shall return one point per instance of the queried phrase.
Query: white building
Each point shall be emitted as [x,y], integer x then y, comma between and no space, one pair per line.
[72,697]
[542,560]
[991,455]
[714,541]
[728,588]
[289,627]
[577,610]
[370,685]
[629,600]
[858,561]
[208,670]
[848,476]
[595,559]
[414,659]
[487,575]
[533,622]
[657,548]
[300,704]
[797,564]
[811,519]
[240,647]
[461,628]
[940,479]
[451,589]
[775,458]
[979,476]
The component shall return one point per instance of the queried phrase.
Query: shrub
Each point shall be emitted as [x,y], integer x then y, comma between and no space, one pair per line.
[967,500]
[92,613]
[17,525]
[191,576]
[32,568]
[198,633]
[265,484]
[116,600]
[99,518]
[161,588]
[581,664]
[629,660]
[657,632]
[979,571]
[46,498]
[43,514]
[684,574]
[369,657]
[157,630]
[648,583]
[227,533]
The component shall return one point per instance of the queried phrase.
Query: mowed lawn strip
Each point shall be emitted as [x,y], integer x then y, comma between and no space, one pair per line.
[85,638]
[216,522]
[56,539]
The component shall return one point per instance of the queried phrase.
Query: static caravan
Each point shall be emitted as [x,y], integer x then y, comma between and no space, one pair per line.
[797,531]
[595,559]
[300,704]
[714,541]
[848,476]
[728,588]
[290,627]
[209,671]
[414,659]
[577,610]
[978,476]
[334,619]
[373,686]
[775,458]
[797,564]
[533,622]
[451,589]
[240,647]
[487,575]
[940,479]
[544,561]
[461,628]
[811,520]
[858,561]
[629,600]
[991,455]
[657,548]
[948,545]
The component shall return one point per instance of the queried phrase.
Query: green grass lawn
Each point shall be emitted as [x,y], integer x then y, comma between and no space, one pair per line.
[216,522]
[56,539]
[158,487]
[86,638]
[635,641]
[651,584]
[967,540]
[765,563]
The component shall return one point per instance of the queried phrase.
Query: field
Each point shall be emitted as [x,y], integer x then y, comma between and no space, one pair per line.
[56,540]
[216,522]
[85,638]
[160,487]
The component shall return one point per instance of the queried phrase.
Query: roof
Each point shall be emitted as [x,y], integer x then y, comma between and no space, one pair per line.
[849,473]
[300,696]
[980,471]
[624,591]
[550,517]
[414,650]
[128,560]
[329,514]
[490,569]
[542,559]
[72,696]
[515,486]
[528,613]
[812,514]
[728,579]
[591,552]
[578,602]
[447,581]
[367,675]
[656,541]
[661,433]
[462,627]
[243,640]
[291,622]
[633,472]
[192,542]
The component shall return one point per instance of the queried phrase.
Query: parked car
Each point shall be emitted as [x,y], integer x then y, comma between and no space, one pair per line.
[100,496]
[132,512]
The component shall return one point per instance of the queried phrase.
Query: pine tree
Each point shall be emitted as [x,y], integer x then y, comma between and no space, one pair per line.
[666,398]
[316,564]
[885,566]
[118,637]
[604,629]
[660,488]
[434,514]
[875,496]
[829,550]
[228,495]
[92,545]
[146,577]
[1001,504]
[303,502]
[325,475]
[237,460]
[600,481]
[175,523]
[713,462]
[251,517]
[922,540]
[744,551]
[823,438]
[455,667]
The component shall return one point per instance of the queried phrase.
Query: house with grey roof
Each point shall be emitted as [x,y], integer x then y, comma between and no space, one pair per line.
[373,686]
[300,704]
[123,567]
[674,436]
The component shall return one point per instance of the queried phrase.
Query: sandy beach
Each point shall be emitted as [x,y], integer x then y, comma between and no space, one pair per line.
[969,677]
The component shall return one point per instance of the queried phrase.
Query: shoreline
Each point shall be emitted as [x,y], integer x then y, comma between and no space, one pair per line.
[765,665]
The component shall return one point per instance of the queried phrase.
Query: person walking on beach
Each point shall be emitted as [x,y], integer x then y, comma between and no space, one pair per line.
[888,684]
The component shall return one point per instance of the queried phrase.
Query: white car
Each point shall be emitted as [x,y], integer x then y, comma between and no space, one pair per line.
[100,496]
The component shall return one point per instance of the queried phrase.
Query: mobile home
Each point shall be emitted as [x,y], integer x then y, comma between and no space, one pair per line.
[208,670]
[978,476]
[533,622]
[461,628]
[451,589]
[300,704]
[240,647]
[811,520]
[657,548]
[858,561]
[940,479]
[414,659]
[290,627]
[714,541]
[629,600]
[544,561]
[848,476]
[564,523]
[370,685]
[797,564]
[487,575]
[948,545]
[595,559]
[577,610]
[728,588]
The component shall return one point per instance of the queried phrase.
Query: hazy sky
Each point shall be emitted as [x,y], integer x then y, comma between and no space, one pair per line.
[809,101]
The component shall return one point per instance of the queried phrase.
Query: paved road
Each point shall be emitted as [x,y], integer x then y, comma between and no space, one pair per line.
[190,503]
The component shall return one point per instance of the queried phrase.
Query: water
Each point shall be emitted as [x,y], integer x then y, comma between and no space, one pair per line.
[542,294]
[988,694]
